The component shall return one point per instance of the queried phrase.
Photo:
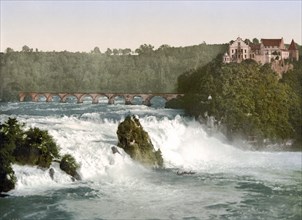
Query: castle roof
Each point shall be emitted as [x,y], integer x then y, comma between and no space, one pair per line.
[292,45]
[271,42]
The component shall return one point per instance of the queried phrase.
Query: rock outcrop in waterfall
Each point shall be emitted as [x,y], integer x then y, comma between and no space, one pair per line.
[136,142]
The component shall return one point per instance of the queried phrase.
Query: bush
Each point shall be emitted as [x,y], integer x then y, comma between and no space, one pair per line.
[10,134]
[38,149]
[70,166]
[7,175]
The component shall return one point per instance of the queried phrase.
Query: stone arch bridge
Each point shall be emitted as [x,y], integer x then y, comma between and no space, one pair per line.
[128,97]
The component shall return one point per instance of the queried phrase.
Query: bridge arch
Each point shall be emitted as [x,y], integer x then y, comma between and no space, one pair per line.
[40,98]
[117,99]
[157,100]
[85,98]
[54,98]
[25,97]
[137,100]
[102,98]
[70,98]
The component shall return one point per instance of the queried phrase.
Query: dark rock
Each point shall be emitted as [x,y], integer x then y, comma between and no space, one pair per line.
[137,143]
[51,173]
[181,173]
[3,195]
[115,150]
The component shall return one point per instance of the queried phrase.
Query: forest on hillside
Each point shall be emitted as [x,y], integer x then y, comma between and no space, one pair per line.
[247,100]
[115,70]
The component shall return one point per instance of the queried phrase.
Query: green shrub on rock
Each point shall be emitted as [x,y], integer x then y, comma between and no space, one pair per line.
[38,149]
[32,147]
[70,166]
[7,175]
[137,143]
[10,134]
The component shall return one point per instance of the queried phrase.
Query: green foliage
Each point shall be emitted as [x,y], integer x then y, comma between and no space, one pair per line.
[11,134]
[38,149]
[152,71]
[145,49]
[137,143]
[69,165]
[248,99]
[293,79]
[256,41]
[7,175]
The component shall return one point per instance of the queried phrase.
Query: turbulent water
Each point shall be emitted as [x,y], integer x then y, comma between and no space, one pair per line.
[229,183]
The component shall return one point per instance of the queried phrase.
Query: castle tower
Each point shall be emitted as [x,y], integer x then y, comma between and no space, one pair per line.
[293,51]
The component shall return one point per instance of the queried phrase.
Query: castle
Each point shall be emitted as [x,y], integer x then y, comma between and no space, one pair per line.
[265,52]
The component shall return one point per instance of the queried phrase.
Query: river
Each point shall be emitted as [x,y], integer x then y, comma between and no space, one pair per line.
[229,183]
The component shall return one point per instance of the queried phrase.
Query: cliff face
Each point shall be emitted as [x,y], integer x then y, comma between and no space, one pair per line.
[280,67]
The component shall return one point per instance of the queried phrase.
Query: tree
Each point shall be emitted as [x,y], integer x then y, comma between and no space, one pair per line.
[115,51]
[126,51]
[255,41]
[96,50]
[25,49]
[164,47]
[9,50]
[108,52]
[145,49]
[247,41]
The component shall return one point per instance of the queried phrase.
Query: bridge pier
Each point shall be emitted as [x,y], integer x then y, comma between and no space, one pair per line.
[147,102]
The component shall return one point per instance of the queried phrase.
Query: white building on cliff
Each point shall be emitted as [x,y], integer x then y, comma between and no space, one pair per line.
[265,52]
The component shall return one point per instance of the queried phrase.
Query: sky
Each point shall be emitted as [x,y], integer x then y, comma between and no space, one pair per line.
[83,25]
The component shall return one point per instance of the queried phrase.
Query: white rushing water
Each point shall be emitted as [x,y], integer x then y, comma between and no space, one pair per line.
[228,182]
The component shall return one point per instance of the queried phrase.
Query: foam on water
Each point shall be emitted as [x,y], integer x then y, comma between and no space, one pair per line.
[184,144]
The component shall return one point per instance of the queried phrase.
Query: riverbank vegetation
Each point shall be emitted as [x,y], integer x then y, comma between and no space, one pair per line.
[246,100]
[147,70]
[34,147]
